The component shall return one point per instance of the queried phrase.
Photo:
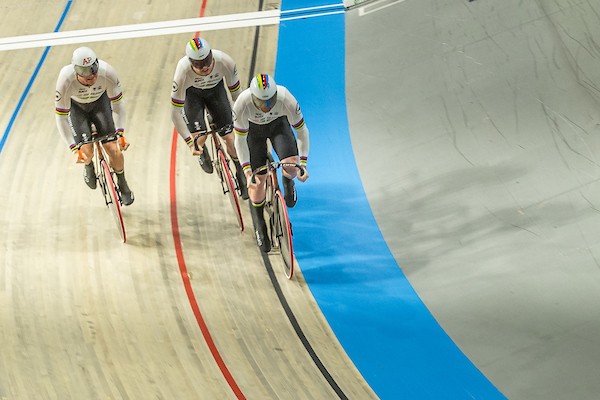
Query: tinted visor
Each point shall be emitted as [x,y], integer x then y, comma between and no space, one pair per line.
[265,104]
[199,64]
[87,70]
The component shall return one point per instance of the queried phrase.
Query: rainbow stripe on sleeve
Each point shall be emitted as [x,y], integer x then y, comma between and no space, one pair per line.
[177,103]
[299,125]
[241,132]
[235,87]
[62,111]
[117,97]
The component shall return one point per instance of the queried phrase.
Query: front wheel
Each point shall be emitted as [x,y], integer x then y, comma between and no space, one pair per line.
[112,199]
[283,234]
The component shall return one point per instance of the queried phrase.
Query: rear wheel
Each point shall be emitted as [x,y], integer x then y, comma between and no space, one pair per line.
[283,234]
[112,198]
[229,188]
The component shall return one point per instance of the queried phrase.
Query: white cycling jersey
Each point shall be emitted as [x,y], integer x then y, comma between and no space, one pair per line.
[185,77]
[244,112]
[69,88]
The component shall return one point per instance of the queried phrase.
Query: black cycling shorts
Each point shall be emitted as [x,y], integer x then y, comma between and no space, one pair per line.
[83,115]
[279,132]
[214,100]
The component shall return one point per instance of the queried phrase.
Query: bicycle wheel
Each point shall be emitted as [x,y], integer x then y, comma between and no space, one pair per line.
[112,199]
[283,233]
[229,188]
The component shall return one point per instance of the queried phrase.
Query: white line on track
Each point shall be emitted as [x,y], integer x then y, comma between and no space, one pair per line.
[230,21]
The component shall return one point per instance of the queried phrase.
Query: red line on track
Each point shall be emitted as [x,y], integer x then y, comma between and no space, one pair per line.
[183,269]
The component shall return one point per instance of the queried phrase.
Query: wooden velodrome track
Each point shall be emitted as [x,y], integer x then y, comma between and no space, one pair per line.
[186,309]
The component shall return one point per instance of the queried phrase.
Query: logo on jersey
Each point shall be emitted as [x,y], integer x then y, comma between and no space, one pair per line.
[298,109]
[175,86]
[233,115]
[57,96]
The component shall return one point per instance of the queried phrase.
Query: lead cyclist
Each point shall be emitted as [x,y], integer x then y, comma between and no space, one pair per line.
[269,111]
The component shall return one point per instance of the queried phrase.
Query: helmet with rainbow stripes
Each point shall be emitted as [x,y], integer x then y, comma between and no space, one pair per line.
[264,91]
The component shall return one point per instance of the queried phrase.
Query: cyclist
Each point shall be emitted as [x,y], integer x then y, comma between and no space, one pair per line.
[265,111]
[199,84]
[88,96]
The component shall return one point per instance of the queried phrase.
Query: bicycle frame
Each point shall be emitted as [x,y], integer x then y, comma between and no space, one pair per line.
[220,160]
[106,179]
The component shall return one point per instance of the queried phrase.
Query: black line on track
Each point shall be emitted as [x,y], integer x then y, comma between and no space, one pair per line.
[292,318]
[298,329]
[255,46]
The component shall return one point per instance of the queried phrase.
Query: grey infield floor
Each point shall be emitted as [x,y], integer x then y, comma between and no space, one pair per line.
[476,131]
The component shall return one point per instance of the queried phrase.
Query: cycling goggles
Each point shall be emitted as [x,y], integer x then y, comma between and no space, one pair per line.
[206,62]
[88,70]
[265,104]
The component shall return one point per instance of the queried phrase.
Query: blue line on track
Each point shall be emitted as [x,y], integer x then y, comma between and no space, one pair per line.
[375,313]
[32,79]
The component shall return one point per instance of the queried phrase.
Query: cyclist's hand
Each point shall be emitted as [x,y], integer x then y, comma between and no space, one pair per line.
[249,182]
[302,177]
[123,143]
[80,156]
[193,150]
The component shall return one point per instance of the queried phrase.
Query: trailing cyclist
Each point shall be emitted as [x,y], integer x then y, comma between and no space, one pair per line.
[265,111]
[88,93]
[199,84]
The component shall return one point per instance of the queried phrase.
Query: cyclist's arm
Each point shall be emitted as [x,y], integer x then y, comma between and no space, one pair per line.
[231,77]
[178,121]
[115,94]
[62,103]
[241,148]
[178,101]
[303,141]
[294,114]
[240,129]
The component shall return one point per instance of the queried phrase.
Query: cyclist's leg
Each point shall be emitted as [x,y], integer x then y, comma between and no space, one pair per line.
[286,147]
[102,118]
[220,110]
[257,144]
[193,110]
[219,107]
[193,114]
[81,129]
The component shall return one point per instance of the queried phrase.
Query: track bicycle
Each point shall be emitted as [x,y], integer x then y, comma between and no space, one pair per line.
[107,178]
[280,227]
[221,163]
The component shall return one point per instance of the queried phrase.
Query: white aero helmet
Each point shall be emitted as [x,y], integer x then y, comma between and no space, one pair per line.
[264,92]
[199,52]
[85,62]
